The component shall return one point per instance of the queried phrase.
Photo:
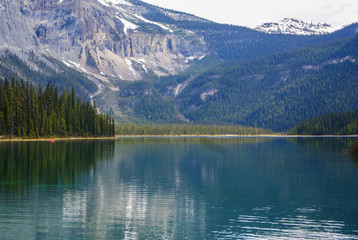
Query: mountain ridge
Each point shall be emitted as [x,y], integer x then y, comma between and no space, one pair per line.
[295,26]
[276,91]
[115,51]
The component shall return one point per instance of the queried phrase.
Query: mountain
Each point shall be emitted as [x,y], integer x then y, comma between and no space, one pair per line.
[104,39]
[295,26]
[275,92]
[120,52]
[113,40]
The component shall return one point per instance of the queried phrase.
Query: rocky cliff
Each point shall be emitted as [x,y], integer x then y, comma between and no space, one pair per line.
[103,39]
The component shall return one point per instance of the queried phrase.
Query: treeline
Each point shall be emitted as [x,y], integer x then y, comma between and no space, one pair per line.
[187,129]
[30,113]
[344,123]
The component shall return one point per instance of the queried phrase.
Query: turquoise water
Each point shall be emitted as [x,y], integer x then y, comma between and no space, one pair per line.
[179,188]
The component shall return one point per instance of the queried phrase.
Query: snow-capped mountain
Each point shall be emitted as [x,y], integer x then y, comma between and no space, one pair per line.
[295,26]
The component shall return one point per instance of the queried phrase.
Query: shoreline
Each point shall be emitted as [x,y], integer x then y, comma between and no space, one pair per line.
[168,136]
[54,139]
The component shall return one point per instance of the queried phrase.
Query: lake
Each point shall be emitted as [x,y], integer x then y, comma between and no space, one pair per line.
[179,188]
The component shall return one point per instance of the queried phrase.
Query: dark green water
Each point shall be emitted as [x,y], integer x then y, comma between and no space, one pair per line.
[179,188]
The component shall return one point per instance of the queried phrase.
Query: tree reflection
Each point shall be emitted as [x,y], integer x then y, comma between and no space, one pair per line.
[324,143]
[24,164]
[177,188]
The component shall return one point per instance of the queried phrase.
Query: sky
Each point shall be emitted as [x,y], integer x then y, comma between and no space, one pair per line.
[251,13]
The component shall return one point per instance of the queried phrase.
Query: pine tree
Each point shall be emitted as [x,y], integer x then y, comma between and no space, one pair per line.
[25,113]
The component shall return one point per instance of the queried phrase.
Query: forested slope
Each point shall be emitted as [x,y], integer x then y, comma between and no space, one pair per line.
[343,123]
[275,92]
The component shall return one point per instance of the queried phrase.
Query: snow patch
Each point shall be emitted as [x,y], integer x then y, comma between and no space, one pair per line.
[141,63]
[189,59]
[110,3]
[130,66]
[66,63]
[127,25]
[77,65]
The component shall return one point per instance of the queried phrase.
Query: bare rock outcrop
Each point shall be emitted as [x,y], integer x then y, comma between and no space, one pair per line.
[102,38]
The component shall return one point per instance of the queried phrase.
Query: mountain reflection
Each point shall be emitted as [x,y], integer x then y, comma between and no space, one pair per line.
[178,188]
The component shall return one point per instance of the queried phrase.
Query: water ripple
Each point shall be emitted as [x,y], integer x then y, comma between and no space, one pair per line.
[293,227]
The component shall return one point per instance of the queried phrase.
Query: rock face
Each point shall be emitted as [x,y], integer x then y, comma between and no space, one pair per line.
[15,31]
[101,38]
[295,26]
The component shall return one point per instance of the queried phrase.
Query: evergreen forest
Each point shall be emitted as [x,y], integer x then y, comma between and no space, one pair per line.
[188,129]
[343,123]
[274,92]
[27,112]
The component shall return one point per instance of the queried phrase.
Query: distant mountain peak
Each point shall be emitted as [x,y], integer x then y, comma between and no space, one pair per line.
[295,26]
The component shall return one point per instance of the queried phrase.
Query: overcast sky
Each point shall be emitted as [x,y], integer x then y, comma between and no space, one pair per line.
[252,13]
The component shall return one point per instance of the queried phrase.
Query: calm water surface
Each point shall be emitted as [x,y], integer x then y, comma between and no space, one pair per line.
[179,188]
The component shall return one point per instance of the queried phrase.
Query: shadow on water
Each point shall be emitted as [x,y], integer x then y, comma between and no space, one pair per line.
[343,145]
[324,143]
[354,157]
[25,164]
[353,152]
[192,140]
